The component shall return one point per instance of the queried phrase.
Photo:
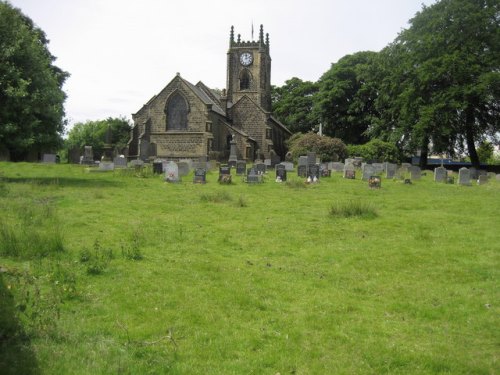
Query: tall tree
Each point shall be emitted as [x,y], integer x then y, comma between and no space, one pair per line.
[31,95]
[345,102]
[443,84]
[293,103]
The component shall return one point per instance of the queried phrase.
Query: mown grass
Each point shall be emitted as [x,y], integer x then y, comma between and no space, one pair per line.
[236,279]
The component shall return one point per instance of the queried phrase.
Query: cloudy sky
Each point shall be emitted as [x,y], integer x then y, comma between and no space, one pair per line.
[121,52]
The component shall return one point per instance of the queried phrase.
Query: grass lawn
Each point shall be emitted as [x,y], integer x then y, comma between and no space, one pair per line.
[122,273]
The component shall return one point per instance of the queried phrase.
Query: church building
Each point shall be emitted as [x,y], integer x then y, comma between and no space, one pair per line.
[192,121]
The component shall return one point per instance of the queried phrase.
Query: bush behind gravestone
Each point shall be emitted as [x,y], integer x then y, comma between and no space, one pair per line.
[326,148]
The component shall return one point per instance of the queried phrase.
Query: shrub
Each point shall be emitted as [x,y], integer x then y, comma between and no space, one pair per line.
[375,150]
[327,148]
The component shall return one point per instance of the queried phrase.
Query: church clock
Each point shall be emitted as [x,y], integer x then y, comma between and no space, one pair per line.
[246,58]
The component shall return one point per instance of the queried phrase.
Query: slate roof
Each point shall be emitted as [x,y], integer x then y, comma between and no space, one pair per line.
[204,97]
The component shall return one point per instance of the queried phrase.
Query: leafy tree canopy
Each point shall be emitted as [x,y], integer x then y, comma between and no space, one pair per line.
[31,96]
[293,103]
[345,102]
[441,83]
[93,133]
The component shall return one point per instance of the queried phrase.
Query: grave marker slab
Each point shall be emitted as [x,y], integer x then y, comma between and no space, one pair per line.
[482,179]
[440,174]
[390,170]
[415,172]
[288,166]
[313,171]
[241,167]
[367,172]
[171,172]
[120,162]
[302,170]
[49,158]
[200,176]
[463,176]
[280,173]
[253,176]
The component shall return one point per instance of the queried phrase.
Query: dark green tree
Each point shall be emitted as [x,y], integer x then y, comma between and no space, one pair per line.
[293,103]
[93,133]
[441,83]
[347,92]
[31,95]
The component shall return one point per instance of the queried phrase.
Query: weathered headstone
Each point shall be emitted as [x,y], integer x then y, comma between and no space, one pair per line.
[482,179]
[120,162]
[253,176]
[267,163]
[183,168]
[275,159]
[241,167]
[349,171]
[390,170]
[313,171]
[233,157]
[88,156]
[311,158]
[260,168]
[158,166]
[106,166]
[473,173]
[367,172]
[302,160]
[324,171]
[280,173]
[336,166]
[136,163]
[440,174]
[415,172]
[288,166]
[302,170]
[200,176]
[171,172]
[463,176]
[49,158]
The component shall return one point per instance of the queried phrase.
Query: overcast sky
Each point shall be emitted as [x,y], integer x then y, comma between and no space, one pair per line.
[120,53]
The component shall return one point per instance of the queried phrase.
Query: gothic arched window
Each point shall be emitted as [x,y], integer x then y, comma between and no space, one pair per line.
[177,110]
[245,80]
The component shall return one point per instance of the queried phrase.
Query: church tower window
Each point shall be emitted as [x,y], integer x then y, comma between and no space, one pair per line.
[245,80]
[177,110]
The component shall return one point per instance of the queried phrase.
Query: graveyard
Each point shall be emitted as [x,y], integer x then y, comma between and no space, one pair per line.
[365,269]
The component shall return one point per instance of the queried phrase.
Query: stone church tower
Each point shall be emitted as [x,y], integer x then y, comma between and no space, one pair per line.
[192,121]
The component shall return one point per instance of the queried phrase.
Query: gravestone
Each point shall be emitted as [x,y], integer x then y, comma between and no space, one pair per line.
[390,170]
[357,161]
[275,159]
[189,162]
[463,176]
[253,176]
[482,179]
[233,157]
[336,166]
[88,156]
[171,172]
[302,171]
[375,182]
[224,170]
[440,174]
[349,171]
[158,166]
[367,171]
[280,173]
[137,163]
[49,158]
[324,171]
[241,167]
[267,163]
[415,172]
[183,168]
[311,158]
[200,176]
[302,160]
[120,162]
[106,166]
[260,168]
[313,171]
[349,161]
[288,166]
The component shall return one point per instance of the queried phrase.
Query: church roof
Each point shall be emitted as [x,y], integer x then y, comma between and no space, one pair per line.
[204,96]
[277,122]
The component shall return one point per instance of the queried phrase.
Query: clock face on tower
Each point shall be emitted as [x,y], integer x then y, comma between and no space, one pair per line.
[246,58]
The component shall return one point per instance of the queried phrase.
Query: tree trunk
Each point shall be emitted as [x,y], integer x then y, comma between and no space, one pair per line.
[469,136]
[424,153]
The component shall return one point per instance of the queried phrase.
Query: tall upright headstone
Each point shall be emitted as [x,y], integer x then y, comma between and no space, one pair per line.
[463,176]
[440,174]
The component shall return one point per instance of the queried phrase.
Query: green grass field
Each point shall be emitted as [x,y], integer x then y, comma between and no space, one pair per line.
[122,273]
